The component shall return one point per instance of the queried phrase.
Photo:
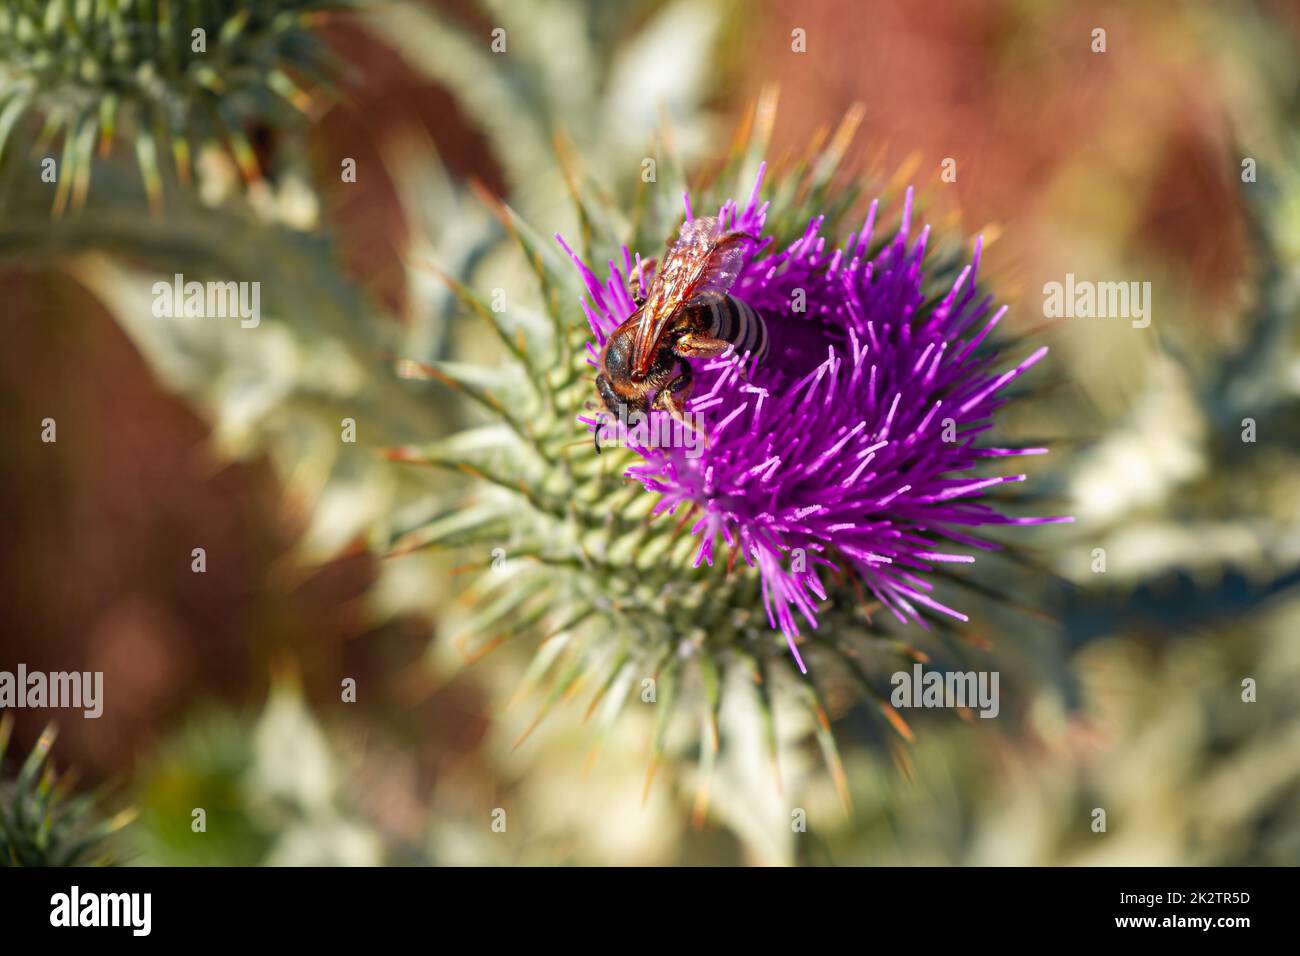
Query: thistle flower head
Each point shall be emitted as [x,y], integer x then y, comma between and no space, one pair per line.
[839,472]
[852,447]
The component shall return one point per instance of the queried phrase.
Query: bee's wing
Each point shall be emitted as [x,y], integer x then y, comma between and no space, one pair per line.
[700,261]
[725,261]
[675,281]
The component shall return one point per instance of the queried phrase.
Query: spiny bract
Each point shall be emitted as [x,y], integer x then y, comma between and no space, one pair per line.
[179,76]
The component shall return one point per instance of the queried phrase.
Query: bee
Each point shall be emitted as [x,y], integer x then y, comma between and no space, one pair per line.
[686,313]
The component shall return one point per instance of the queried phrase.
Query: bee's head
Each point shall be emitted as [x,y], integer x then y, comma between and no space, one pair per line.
[608,397]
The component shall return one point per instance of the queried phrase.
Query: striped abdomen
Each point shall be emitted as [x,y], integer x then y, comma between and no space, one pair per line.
[737,322]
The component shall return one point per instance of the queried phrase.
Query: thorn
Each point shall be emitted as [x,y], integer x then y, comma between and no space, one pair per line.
[700,811]
[531,727]
[590,763]
[682,523]
[903,761]
[899,724]
[473,657]
[915,653]
[649,778]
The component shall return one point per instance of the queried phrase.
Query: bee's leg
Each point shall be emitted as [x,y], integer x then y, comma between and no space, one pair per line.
[672,397]
[700,345]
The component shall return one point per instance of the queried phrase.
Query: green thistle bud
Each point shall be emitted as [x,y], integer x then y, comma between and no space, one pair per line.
[41,823]
[177,77]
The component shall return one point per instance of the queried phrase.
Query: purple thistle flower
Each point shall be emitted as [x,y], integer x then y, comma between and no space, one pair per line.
[833,448]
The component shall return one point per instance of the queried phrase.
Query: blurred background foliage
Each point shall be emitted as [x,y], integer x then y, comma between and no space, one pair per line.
[223,688]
